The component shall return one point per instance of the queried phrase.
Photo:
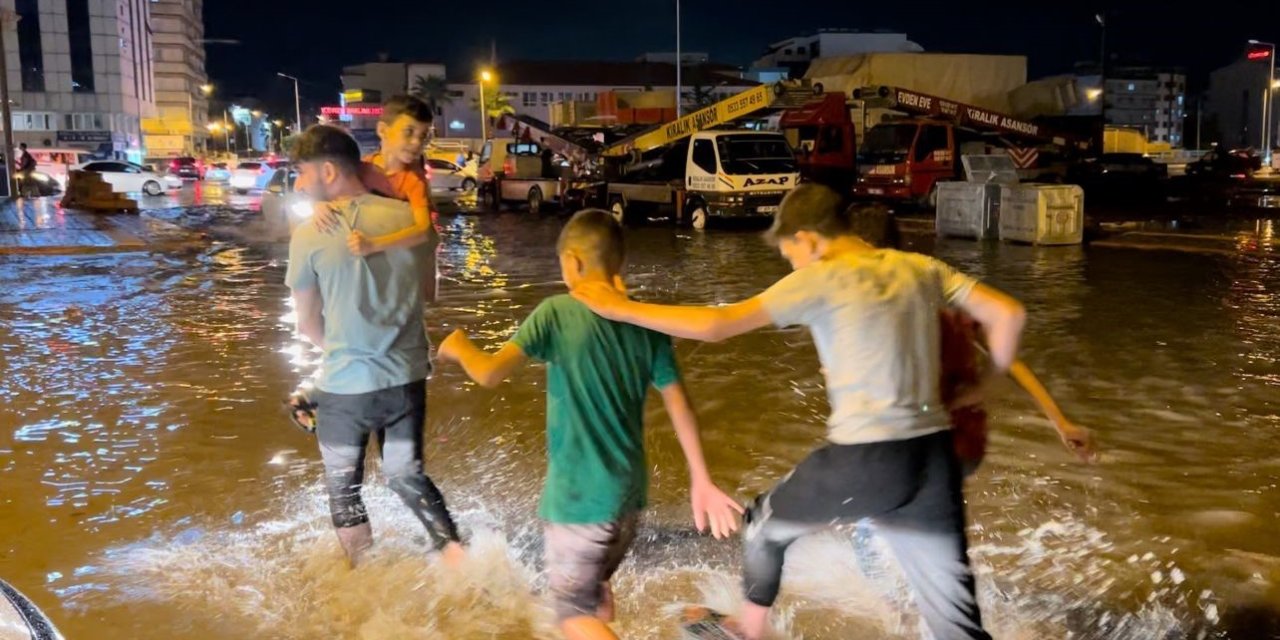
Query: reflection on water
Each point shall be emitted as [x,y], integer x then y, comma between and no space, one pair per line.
[153,487]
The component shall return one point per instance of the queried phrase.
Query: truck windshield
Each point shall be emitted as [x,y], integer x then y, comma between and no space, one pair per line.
[887,144]
[755,154]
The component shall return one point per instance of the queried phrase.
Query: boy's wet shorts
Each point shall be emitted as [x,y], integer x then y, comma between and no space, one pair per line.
[581,558]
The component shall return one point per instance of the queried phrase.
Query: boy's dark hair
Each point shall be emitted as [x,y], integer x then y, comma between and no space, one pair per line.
[323,143]
[596,237]
[809,207]
[411,106]
[874,223]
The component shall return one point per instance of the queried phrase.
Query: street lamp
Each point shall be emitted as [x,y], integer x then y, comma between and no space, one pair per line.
[1267,102]
[297,102]
[485,76]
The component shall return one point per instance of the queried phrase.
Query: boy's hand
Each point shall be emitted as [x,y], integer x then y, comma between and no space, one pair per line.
[324,217]
[359,244]
[1078,440]
[450,350]
[604,300]
[713,507]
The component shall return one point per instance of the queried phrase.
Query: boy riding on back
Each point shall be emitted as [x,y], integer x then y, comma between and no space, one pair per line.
[396,171]
[598,376]
[874,318]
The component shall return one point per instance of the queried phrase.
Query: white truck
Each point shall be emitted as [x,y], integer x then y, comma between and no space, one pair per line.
[711,174]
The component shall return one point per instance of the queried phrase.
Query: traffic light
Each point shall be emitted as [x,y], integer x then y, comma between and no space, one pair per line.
[1258,52]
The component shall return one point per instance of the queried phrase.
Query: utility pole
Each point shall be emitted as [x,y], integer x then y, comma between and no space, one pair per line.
[7,17]
[679,66]
[1103,94]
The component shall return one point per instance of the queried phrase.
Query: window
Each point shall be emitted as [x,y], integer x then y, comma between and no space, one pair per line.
[529,99]
[832,140]
[25,121]
[800,50]
[544,97]
[1131,86]
[931,139]
[704,155]
[30,48]
[565,96]
[786,52]
[80,37]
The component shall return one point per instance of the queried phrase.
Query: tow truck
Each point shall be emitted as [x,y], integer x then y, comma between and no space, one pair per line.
[693,170]
[689,168]
[905,159]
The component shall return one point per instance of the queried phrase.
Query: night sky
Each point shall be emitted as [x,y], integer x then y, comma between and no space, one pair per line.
[325,34]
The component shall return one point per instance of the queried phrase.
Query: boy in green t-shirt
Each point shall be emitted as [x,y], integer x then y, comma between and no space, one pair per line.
[598,376]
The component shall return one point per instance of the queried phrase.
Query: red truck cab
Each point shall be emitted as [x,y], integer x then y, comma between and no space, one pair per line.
[903,160]
[825,140]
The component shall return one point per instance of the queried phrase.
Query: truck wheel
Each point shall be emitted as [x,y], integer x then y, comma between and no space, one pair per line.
[619,210]
[930,200]
[468,185]
[491,201]
[698,218]
[535,201]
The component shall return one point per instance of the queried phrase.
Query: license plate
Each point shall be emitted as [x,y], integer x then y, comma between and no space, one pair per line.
[876,192]
[769,208]
[883,170]
[1269,202]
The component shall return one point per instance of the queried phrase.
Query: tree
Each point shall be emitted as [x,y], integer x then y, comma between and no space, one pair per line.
[433,91]
[497,104]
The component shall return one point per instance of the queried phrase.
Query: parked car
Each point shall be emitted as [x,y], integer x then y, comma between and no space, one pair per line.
[1120,169]
[38,185]
[1238,164]
[217,172]
[187,168]
[253,175]
[56,162]
[127,177]
[447,176]
[283,209]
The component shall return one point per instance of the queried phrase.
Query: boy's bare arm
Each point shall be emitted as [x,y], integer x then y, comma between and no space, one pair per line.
[708,324]
[1077,439]
[422,231]
[1002,319]
[711,506]
[488,370]
[309,309]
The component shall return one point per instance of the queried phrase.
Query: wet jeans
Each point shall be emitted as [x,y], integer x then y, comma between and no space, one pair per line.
[397,417]
[911,491]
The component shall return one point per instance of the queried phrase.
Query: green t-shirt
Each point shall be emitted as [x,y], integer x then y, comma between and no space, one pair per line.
[598,375]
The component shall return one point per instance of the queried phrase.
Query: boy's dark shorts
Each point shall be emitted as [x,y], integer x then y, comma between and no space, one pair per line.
[580,558]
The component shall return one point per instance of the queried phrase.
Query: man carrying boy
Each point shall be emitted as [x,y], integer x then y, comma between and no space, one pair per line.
[874,316]
[366,314]
[598,376]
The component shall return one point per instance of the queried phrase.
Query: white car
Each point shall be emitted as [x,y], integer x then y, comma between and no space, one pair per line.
[446,176]
[253,175]
[126,177]
[283,209]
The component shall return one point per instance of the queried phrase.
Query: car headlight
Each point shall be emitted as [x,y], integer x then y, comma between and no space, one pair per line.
[302,209]
[40,177]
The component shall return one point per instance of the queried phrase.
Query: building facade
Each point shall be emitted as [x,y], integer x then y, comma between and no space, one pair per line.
[529,87]
[1234,104]
[1147,99]
[182,91]
[794,54]
[81,74]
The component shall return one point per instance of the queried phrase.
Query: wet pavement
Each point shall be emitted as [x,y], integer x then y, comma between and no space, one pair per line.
[152,486]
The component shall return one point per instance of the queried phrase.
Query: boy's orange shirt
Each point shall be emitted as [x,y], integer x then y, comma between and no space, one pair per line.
[405,184]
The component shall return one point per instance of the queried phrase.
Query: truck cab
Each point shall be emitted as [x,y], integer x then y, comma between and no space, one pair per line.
[904,160]
[710,174]
[824,138]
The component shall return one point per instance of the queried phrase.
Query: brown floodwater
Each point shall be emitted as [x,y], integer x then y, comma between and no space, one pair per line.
[151,485]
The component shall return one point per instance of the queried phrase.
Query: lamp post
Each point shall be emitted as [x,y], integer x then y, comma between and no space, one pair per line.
[485,76]
[297,102]
[7,17]
[280,136]
[679,66]
[1267,102]
[206,90]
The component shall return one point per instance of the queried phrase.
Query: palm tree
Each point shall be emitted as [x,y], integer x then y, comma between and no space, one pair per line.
[497,104]
[433,91]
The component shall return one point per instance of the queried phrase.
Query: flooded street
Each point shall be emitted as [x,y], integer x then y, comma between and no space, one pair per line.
[151,485]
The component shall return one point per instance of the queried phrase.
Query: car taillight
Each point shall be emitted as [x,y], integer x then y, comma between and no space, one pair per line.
[508,166]
[174,165]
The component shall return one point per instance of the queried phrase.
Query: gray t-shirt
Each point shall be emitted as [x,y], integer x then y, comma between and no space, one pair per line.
[874,319]
[373,307]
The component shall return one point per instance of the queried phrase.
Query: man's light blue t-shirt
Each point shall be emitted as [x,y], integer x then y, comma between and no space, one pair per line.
[373,306]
